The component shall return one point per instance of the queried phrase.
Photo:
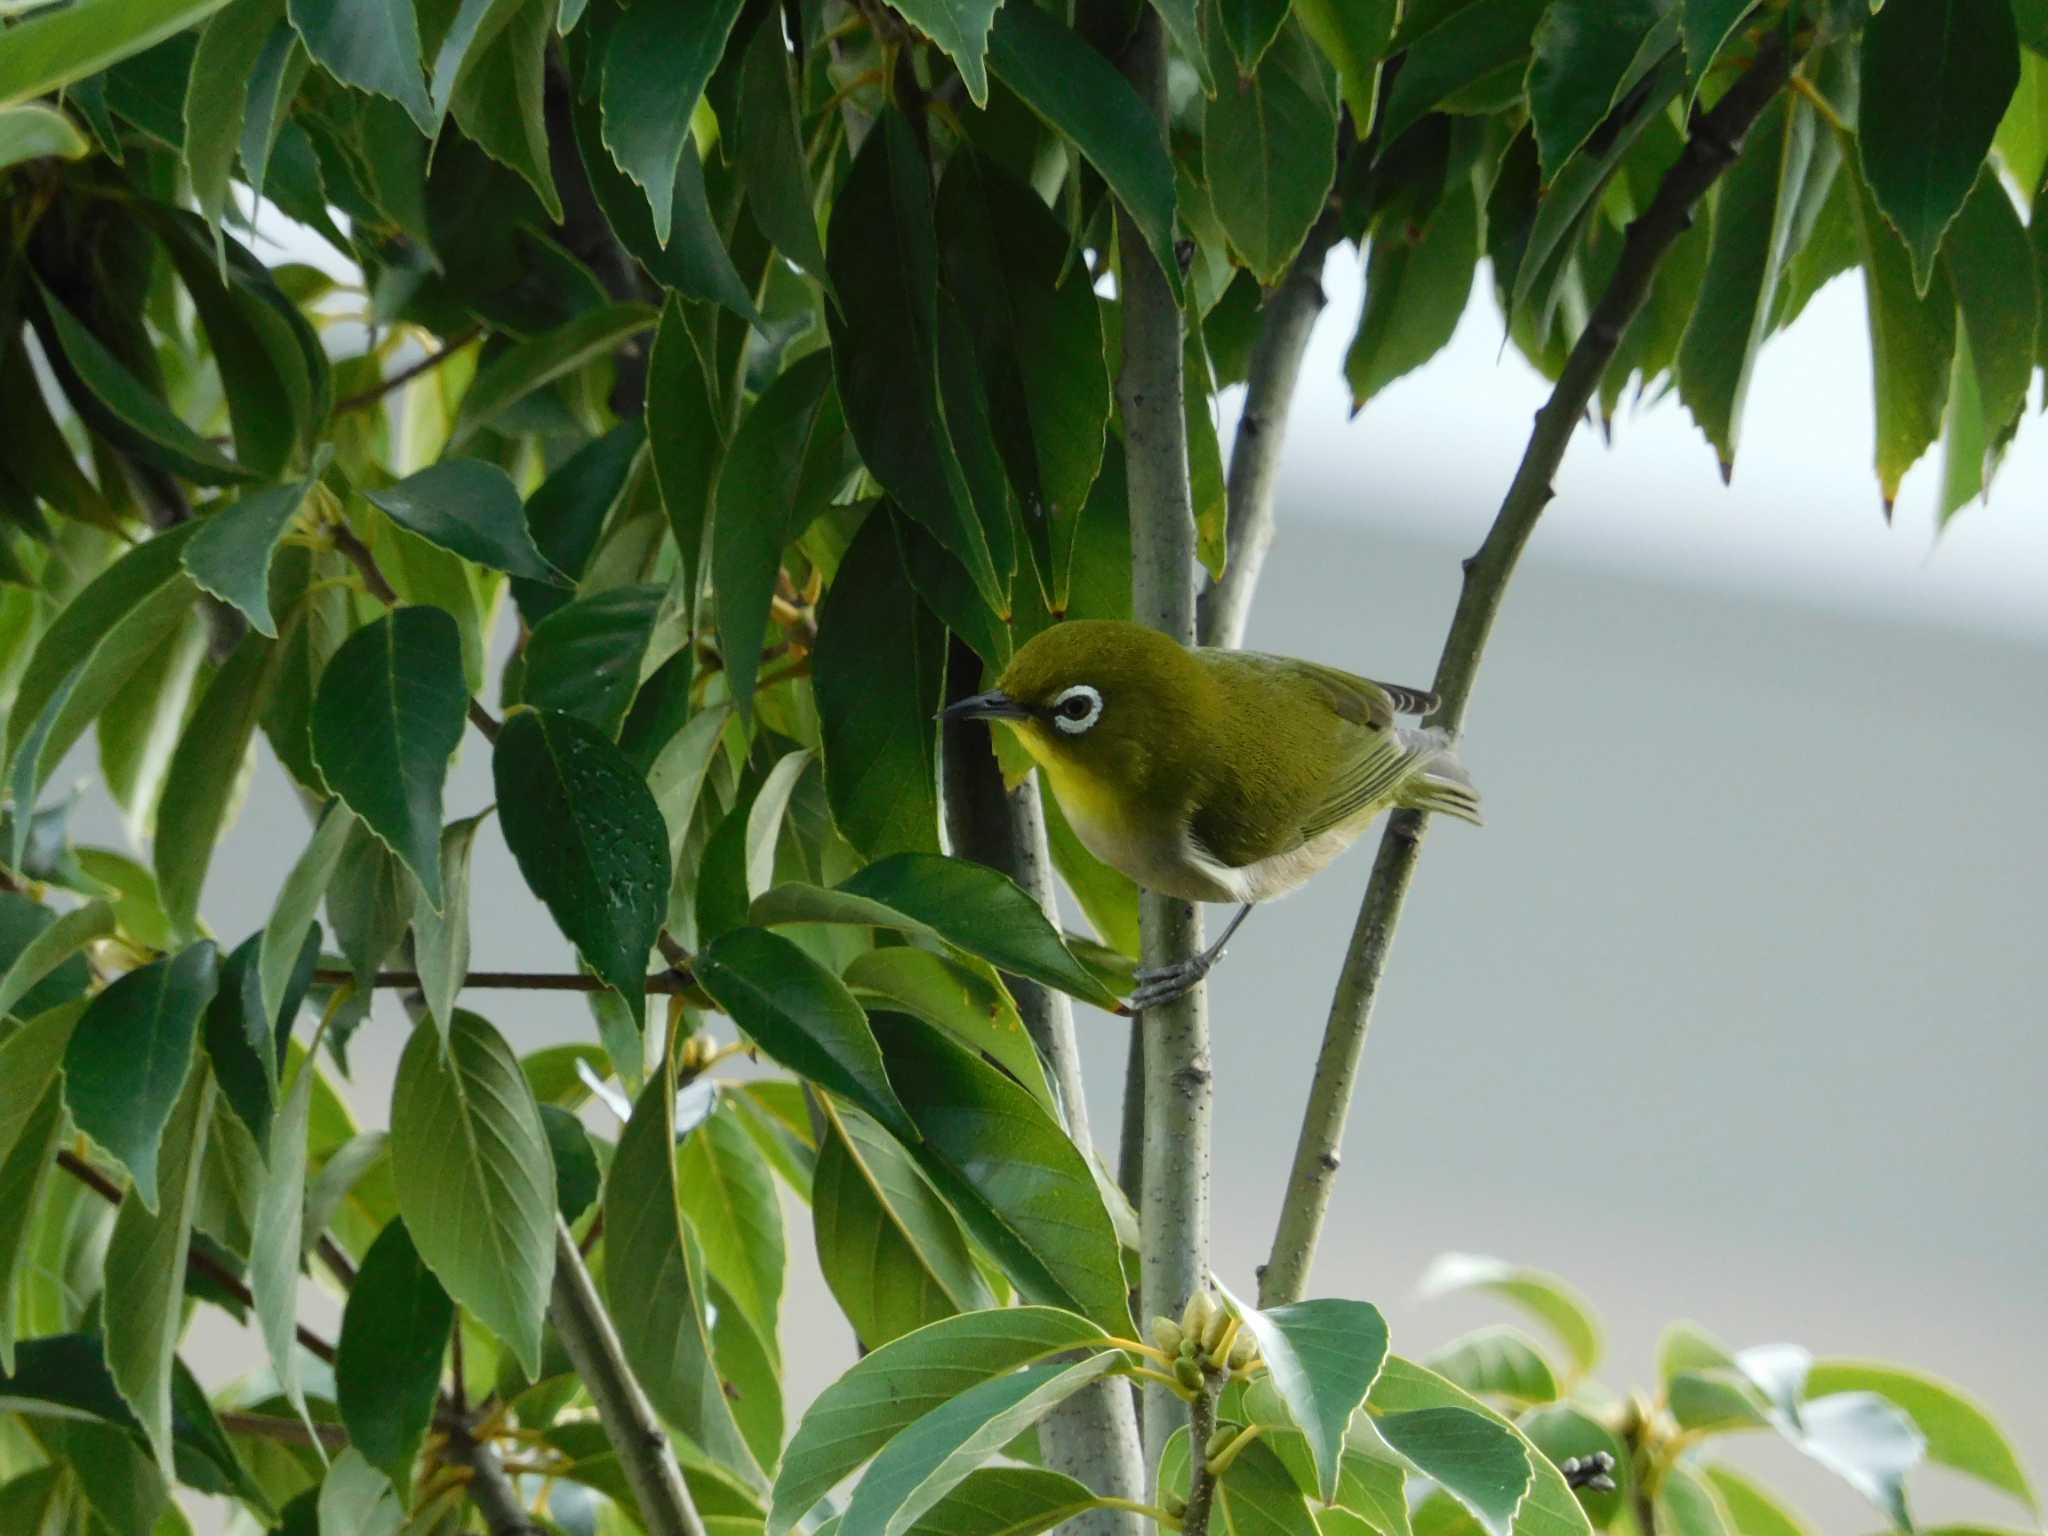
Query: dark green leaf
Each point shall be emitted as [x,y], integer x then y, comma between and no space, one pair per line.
[1353,35]
[1704,25]
[204,774]
[576,1172]
[516,373]
[656,67]
[218,95]
[1270,154]
[144,1303]
[475,1184]
[772,159]
[1416,287]
[441,938]
[685,435]
[568,511]
[373,45]
[280,1222]
[1076,90]
[1562,1432]
[40,963]
[388,716]
[1002,1160]
[588,837]
[500,100]
[899,1383]
[1992,272]
[1479,1463]
[1256,1496]
[1943,71]
[931,1457]
[240,1042]
[1323,1356]
[31,1119]
[1249,27]
[231,554]
[130,1055]
[1587,55]
[965,999]
[387,1366]
[1543,1296]
[785,463]
[887,1245]
[802,1016]
[728,1192]
[588,659]
[1007,1501]
[471,509]
[879,677]
[1450,47]
[960,27]
[298,900]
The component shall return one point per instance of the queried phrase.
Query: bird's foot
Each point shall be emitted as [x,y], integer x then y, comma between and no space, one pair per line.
[1157,984]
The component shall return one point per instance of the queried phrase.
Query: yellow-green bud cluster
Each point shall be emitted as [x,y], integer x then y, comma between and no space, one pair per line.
[1206,1339]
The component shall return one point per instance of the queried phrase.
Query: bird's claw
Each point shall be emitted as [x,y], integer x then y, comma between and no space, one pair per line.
[1157,984]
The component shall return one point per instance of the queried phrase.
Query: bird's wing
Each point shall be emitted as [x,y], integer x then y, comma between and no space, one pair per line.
[1358,699]
[1380,761]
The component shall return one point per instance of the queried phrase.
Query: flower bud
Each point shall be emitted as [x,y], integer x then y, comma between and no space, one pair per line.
[1189,1373]
[1222,1437]
[1194,1318]
[1244,1349]
[1172,1503]
[1167,1335]
[1212,1335]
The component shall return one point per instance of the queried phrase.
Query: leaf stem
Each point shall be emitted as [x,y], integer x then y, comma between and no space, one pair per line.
[369,397]
[1711,147]
[1220,1462]
[1172,1384]
[1151,1511]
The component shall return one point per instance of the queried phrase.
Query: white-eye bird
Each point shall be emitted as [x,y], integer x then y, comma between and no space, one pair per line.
[1214,775]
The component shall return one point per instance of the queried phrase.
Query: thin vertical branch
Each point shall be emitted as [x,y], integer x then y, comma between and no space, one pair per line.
[1710,148]
[1285,326]
[491,1487]
[1173,1204]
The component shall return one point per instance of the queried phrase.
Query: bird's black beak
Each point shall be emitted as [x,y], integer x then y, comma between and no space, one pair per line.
[994,705]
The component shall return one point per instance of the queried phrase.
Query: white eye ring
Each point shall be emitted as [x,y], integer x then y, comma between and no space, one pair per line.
[1075,724]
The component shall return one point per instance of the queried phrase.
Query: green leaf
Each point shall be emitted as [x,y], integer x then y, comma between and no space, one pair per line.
[54,46]
[960,28]
[685,436]
[1752,234]
[387,1364]
[803,1017]
[231,554]
[1037,332]
[31,132]
[1944,71]
[904,1380]
[1560,1433]
[280,1223]
[1704,25]
[1080,94]
[31,1120]
[500,101]
[1449,48]
[728,1192]
[1864,1440]
[879,676]
[1249,27]
[1478,1463]
[1750,1509]
[143,1304]
[1550,1508]
[373,45]
[1543,1296]
[40,952]
[205,775]
[474,1180]
[676,777]
[1323,1356]
[656,1286]
[883,258]
[441,938]
[1270,155]
[356,1500]
[1256,1496]
[1206,484]
[1991,268]
[1959,1433]
[1501,1361]
[656,67]
[568,511]
[1687,1505]
[298,899]
[1912,340]
[1416,288]
[931,1457]
[471,509]
[531,365]
[888,1247]
[1587,55]
[1353,35]
[967,1002]
[577,1177]
[130,1055]
[589,657]
[784,465]
[1004,1163]
[1007,1501]
[217,97]
[588,837]
[773,163]
[388,715]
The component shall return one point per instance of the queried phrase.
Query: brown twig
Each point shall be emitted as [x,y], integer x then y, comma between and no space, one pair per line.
[369,397]
[333,1438]
[662,983]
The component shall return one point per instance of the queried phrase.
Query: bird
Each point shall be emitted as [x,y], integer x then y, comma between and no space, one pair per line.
[1214,775]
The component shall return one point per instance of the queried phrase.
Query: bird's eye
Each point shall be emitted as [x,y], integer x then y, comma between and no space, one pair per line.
[1076,709]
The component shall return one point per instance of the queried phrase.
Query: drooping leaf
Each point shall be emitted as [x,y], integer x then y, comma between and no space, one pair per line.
[471,509]
[129,1057]
[1544,1297]
[1451,47]
[373,45]
[217,97]
[588,837]
[31,1119]
[40,964]
[588,657]
[530,365]
[501,98]
[1501,1361]
[1353,35]
[474,1179]
[1478,1463]
[1704,25]
[1323,1356]
[387,1366]
[685,435]
[204,775]
[963,999]
[441,938]
[1944,71]
[568,511]
[728,1192]
[298,899]
[358,1499]
[280,1217]
[1269,154]
[772,158]
[656,66]
[1585,56]
[1997,299]
[577,1177]
[230,556]
[1959,1433]
[51,47]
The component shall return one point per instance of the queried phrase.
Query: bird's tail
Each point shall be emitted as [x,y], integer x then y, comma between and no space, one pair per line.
[1442,784]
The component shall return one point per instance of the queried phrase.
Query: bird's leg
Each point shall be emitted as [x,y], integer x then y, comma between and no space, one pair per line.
[1163,983]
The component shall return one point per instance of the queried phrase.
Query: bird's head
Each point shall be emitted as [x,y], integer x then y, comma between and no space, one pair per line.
[1103,696]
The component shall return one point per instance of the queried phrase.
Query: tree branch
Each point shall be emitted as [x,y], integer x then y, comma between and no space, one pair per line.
[1173,1200]
[1284,328]
[629,1423]
[1093,1435]
[1711,147]
[491,1487]
[660,982]
[364,399]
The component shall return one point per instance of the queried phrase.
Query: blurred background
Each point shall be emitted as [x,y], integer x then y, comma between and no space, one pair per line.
[1733,1011]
